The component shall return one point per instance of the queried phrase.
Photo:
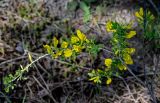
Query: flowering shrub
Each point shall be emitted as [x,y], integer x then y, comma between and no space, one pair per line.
[121,53]
[72,47]
[113,66]
[68,49]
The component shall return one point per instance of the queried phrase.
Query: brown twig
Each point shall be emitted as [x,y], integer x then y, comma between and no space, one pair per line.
[11,60]
[45,89]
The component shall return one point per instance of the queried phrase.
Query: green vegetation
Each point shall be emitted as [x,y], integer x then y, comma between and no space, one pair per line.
[69,49]
[61,54]
[84,5]
[151,27]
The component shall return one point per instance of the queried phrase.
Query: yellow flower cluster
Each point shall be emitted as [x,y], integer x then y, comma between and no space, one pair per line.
[68,53]
[108,62]
[78,41]
[75,44]
[50,51]
[140,15]
[57,54]
[127,52]
[122,54]
[77,48]
[127,59]
[109,27]
[55,42]
[64,44]
[108,81]
[130,34]
[48,48]
[74,39]
[122,67]
[79,38]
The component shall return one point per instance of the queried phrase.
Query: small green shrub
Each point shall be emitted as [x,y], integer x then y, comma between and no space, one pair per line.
[84,5]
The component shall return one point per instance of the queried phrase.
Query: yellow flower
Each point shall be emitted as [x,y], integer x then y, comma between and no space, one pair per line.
[74,39]
[55,42]
[108,62]
[122,67]
[131,34]
[109,27]
[59,53]
[68,53]
[141,11]
[49,50]
[139,14]
[130,50]
[77,48]
[81,36]
[108,81]
[64,44]
[127,59]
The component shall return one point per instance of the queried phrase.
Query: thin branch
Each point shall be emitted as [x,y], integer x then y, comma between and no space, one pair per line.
[45,89]
[11,60]
[29,65]
[104,49]
[154,6]
[3,95]
[136,77]
[126,86]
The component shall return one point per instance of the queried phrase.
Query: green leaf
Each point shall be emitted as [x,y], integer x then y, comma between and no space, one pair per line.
[86,11]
